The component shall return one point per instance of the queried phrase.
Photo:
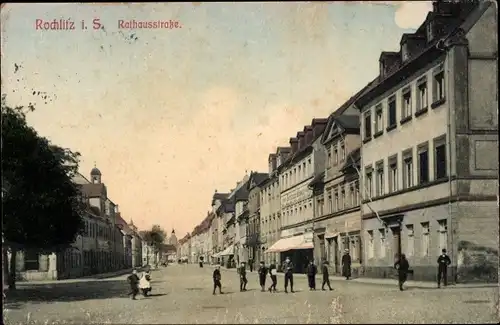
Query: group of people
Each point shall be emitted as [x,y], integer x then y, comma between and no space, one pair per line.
[287,268]
[142,283]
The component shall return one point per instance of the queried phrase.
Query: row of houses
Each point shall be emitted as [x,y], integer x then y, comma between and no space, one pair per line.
[108,243]
[409,164]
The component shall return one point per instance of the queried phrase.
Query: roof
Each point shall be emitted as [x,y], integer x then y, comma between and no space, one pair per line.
[350,122]
[219,196]
[95,171]
[256,179]
[93,190]
[122,224]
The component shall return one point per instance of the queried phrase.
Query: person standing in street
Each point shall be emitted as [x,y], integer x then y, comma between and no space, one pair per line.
[262,276]
[288,269]
[346,264]
[326,279]
[403,267]
[311,270]
[133,281]
[243,277]
[443,262]
[273,271]
[217,280]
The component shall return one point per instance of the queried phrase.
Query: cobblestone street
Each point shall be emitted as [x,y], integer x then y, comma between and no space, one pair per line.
[182,294]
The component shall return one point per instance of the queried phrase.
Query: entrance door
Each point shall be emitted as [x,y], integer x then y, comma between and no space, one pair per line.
[336,253]
[396,238]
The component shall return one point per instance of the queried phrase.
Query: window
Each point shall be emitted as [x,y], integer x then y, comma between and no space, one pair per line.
[406,103]
[329,156]
[337,205]
[391,118]
[440,158]
[299,174]
[371,244]
[31,262]
[410,245]
[304,169]
[382,243]
[443,235]
[423,164]
[335,154]
[330,203]
[380,179]
[369,181]
[368,125]
[342,151]
[393,174]
[438,87]
[355,194]
[425,239]
[405,55]
[422,99]
[408,169]
[379,122]
[342,199]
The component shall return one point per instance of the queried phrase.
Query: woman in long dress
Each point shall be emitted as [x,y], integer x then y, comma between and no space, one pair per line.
[145,283]
[346,265]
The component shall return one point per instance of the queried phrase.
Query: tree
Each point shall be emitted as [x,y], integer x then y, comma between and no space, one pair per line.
[154,238]
[42,207]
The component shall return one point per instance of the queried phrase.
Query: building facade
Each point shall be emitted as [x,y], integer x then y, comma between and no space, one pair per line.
[96,250]
[253,210]
[430,148]
[270,206]
[305,161]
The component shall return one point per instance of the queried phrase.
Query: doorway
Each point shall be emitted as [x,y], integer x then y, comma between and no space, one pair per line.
[396,241]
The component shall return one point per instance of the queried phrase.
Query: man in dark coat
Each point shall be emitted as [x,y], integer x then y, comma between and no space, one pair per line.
[288,269]
[243,277]
[326,279]
[262,276]
[273,271]
[133,281]
[346,265]
[403,267]
[311,270]
[217,278]
[443,262]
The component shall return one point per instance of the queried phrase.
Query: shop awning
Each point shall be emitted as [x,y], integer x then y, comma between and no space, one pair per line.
[290,243]
[228,251]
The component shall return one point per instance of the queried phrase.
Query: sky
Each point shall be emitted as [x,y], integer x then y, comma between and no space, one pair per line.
[171,115]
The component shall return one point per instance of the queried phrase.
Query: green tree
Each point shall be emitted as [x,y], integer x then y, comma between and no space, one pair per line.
[154,238]
[42,207]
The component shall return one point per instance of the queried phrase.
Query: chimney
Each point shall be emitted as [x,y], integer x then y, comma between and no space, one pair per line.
[318,126]
[272,162]
[117,210]
[302,140]
[411,45]
[308,134]
[389,61]
[294,143]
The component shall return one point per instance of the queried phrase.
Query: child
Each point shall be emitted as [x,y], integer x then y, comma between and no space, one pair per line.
[217,278]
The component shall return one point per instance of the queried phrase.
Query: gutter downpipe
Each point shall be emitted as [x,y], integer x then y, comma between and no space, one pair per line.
[445,46]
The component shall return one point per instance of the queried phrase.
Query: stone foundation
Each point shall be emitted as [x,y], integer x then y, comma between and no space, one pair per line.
[476,263]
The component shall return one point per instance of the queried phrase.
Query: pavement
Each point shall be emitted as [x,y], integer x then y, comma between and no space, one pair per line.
[182,294]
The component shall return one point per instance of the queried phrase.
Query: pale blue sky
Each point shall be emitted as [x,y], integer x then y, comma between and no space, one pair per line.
[175,114]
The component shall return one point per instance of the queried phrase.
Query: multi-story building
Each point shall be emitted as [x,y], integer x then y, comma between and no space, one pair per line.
[337,214]
[94,251]
[306,160]
[253,210]
[270,206]
[184,248]
[217,226]
[430,147]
